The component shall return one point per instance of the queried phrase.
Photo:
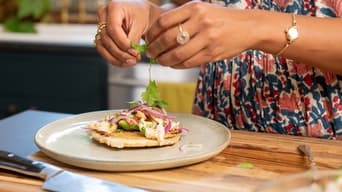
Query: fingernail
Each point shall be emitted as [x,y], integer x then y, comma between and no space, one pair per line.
[148,54]
[130,61]
[133,52]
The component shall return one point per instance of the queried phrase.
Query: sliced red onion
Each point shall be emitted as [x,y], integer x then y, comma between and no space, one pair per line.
[167,126]
[158,114]
[184,129]
[137,108]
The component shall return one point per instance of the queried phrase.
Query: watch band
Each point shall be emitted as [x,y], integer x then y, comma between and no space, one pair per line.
[291,34]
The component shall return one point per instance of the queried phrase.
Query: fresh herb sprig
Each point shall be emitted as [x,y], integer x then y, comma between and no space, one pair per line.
[141,49]
[151,95]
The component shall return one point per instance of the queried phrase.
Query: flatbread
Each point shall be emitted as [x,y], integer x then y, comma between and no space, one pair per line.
[133,139]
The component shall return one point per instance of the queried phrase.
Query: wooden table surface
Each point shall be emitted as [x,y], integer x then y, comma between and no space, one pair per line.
[272,156]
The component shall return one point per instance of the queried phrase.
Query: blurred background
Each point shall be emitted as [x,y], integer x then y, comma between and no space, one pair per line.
[49,62]
[60,11]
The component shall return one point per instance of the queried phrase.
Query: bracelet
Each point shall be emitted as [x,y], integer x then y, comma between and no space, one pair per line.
[291,34]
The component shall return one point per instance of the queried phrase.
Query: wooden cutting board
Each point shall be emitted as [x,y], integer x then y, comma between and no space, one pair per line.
[271,155]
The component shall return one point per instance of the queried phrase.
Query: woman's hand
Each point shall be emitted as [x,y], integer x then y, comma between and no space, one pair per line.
[215,32]
[125,21]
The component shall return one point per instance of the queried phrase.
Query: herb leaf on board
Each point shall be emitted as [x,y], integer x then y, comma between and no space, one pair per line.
[246,165]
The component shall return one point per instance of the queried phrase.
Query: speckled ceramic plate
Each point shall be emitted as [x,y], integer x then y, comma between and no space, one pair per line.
[67,141]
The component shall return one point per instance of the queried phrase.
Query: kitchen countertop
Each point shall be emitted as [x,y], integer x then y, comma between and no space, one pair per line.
[80,35]
[54,37]
[272,156]
[17,131]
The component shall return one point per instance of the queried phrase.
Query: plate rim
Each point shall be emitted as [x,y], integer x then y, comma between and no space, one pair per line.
[109,165]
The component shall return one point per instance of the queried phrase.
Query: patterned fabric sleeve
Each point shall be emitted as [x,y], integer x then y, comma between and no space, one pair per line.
[256,91]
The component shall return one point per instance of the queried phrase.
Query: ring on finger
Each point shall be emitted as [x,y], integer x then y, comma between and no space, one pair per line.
[102,23]
[97,37]
[100,27]
[182,36]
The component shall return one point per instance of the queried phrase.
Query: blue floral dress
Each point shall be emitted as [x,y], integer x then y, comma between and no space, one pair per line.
[257,91]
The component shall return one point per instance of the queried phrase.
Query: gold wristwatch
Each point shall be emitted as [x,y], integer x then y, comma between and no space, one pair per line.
[291,33]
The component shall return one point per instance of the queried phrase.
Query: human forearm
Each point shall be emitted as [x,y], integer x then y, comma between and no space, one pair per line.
[319,43]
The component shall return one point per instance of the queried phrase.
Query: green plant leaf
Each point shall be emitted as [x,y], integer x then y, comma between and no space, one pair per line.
[161,103]
[246,165]
[41,7]
[151,95]
[13,24]
[28,12]
[139,48]
[153,60]
[24,8]
[37,8]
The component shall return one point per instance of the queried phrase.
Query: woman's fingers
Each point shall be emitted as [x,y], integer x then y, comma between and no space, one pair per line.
[163,43]
[117,28]
[197,59]
[112,59]
[181,53]
[203,36]
[167,20]
[105,54]
[135,36]
[168,40]
[108,47]
[111,47]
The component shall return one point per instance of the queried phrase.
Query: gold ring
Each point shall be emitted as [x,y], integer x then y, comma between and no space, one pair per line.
[102,23]
[100,26]
[182,36]
[97,37]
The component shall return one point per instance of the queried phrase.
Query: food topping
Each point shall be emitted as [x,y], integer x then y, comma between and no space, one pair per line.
[152,122]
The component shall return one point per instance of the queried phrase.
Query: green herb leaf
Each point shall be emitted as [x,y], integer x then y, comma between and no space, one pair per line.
[153,60]
[151,93]
[246,165]
[161,103]
[151,96]
[132,104]
[139,48]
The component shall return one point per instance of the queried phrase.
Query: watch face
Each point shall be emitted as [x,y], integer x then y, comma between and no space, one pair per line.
[292,33]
